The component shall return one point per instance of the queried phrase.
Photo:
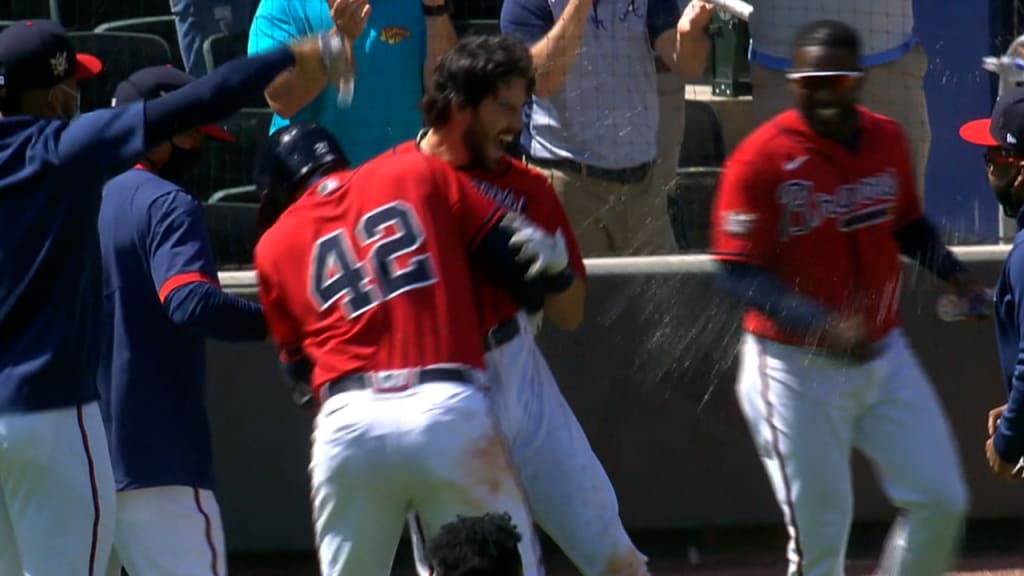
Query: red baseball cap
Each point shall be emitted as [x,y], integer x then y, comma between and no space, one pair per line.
[37,54]
[156,81]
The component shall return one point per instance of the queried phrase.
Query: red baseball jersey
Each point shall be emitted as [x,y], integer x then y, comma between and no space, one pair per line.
[368,271]
[820,216]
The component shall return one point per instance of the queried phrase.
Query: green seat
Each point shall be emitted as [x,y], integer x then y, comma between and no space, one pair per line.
[162,26]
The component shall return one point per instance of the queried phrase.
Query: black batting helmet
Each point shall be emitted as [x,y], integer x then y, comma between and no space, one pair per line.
[291,156]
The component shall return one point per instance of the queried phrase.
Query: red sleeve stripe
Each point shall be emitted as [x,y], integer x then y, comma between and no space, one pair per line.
[484,228]
[179,280]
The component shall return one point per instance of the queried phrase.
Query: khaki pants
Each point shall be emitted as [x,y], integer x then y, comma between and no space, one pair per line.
[612,218]
[671,126]
[895,89]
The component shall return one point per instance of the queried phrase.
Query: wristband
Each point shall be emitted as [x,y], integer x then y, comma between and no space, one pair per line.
[559,281]
[442,10]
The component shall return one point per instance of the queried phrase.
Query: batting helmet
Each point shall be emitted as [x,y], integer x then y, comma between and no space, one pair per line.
[289,159]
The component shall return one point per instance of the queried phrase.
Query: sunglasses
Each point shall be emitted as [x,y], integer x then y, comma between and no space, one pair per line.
[1000,158]
[831,80]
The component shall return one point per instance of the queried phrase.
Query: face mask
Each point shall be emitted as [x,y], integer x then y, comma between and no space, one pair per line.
[78,102]
[180,163]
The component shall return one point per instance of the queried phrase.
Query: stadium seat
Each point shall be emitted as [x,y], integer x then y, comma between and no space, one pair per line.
[477,27]
[703,143]
[233,233]
[231,165]
[162,26]
[82,15]
[122,54]
[238,194]
[11,10]
[700,165]
[223,47]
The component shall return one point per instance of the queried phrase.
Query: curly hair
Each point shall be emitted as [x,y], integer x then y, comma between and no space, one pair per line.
[831,34]
[472,71]
[476,546]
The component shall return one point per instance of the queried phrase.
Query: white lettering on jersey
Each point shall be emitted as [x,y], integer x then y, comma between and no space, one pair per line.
[866,202]
[504,197]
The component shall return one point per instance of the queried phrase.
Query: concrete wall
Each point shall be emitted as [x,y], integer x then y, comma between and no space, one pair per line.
[650,375]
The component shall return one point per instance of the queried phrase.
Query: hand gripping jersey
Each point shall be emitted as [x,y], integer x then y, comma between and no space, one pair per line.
[383,258]
[820,216]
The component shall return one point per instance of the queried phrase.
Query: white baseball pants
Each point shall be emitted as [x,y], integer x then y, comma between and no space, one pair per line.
[168,531]
[433,449]
[807,412]
[57,505]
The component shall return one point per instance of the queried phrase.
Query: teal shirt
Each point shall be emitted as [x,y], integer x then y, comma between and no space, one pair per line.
[389,71]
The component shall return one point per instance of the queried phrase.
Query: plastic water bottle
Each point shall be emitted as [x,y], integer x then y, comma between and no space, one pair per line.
[952,308]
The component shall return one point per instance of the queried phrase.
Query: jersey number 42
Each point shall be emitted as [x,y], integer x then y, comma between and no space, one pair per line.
[337,275]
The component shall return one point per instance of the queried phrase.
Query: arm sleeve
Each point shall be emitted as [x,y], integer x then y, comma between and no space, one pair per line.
[662,16]
[527,20]
[758,288]
[106,140]
[1009,438]
[213,97]
[744,213]
[908,207]
[920,241]
[208,310]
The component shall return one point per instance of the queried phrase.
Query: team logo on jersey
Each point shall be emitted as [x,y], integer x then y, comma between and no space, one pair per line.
[738,223]
[394,34]
[867,202]
[505,197]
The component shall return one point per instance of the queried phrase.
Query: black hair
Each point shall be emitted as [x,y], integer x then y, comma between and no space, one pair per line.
[472,71]
[831,34]
[477,546]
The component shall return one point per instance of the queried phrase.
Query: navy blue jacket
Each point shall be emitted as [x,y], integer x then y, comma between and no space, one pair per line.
[1009,313]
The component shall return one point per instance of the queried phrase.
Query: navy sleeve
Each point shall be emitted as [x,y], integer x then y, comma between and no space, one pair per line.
[662,15]
[762,290]
[215,96]
[179,250]
[104,141]
[208,310]
[1009,438]
[527,20]
[920,241]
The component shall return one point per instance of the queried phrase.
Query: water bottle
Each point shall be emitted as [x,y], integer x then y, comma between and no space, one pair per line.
[952,308]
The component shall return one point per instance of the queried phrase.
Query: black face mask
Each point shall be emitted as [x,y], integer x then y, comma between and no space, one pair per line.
[1006,197]
[180,163]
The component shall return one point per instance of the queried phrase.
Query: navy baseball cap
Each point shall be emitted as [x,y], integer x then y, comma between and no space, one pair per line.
[1006,126]
[156,81]
[37,54]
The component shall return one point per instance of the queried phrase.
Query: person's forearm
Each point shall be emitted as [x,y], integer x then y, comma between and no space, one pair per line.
[213,97]
[441,38]
[555,53]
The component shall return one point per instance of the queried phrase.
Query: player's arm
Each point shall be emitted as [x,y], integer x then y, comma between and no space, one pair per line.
[1009,437]
[121,135]
[554,44]
[184,274]
[681,43]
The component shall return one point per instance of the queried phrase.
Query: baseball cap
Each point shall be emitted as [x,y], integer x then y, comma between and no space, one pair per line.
[156,81]
[37,54]
[1006,126]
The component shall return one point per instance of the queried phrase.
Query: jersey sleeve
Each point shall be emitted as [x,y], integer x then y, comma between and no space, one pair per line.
[105,141]
[283,327]
[744,213]
[908,199]
[474,213]
[526,20]
[662,16]
[179,250]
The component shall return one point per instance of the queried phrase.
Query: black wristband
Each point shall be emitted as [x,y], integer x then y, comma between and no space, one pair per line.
[560,281]
[442,10]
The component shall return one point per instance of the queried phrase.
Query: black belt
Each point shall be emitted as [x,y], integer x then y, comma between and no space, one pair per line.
[365,381]
[622,175]
[501,334]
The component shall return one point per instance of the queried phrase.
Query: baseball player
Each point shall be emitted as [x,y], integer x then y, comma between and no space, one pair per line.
[163,298]
[56,482]
[365,279]
[1003,137]
[809,221]
[486,80]
[479,545]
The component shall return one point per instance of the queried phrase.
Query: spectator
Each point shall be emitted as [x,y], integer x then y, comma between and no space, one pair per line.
[395,45]
[198,20]
[895,61]
[591,126]
[476,546]
[671,125]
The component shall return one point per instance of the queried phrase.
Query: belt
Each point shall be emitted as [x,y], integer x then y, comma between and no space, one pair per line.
[501,334]
[395,381]
[622,175]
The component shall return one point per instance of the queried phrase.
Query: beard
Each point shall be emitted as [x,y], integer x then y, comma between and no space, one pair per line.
[478,144]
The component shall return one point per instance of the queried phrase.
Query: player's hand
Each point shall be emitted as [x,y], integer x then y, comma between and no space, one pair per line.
[695,18]
[350,17]
[847,337]
[993,419]
[999,467]
[547,253]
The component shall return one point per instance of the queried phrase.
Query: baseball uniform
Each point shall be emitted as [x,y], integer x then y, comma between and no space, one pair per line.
[826,223]
[367,276]
[162,298]
[568,491]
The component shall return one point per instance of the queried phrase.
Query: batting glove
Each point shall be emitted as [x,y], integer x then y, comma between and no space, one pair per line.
[548,254]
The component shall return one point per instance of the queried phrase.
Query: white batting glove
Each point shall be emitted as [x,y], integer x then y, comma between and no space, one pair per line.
[548,253]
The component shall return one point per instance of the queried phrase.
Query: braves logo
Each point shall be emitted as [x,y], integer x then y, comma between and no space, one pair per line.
[505,197]
[864,203]
[394,34]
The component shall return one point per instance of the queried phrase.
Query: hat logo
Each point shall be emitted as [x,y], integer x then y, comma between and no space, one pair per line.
[59,64]
[1010,139]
